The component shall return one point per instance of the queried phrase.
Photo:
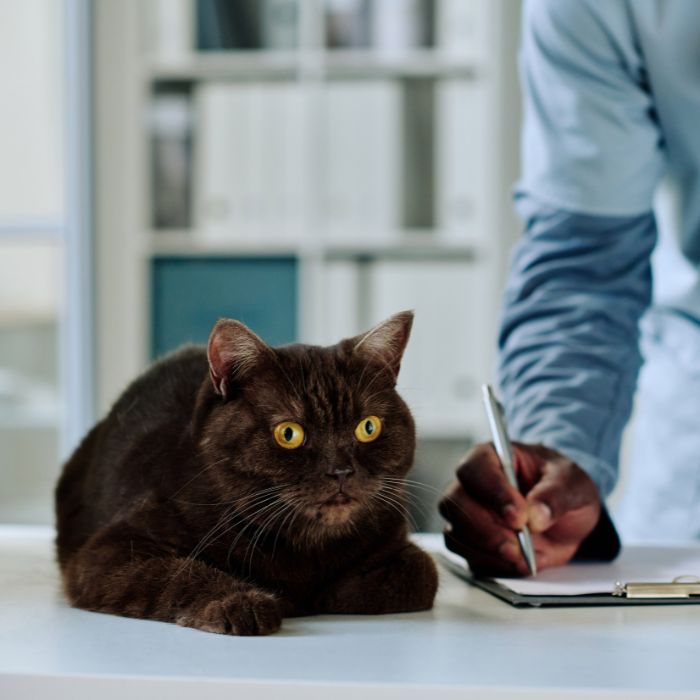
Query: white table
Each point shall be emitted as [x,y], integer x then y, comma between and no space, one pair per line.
[470,646]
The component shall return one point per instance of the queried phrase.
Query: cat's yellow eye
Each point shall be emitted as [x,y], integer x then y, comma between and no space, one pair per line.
[368,429]
[289,435]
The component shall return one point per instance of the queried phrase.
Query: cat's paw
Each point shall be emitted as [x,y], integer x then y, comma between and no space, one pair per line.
[246,613]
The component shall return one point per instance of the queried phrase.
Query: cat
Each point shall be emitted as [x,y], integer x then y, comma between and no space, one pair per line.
[235,485]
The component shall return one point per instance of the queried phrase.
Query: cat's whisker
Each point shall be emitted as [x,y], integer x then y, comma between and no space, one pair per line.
[196,549]
[372,396]
[400,485]
[198,474]
[418,485]
[229,502]
[436,491]
[407,499]
[239,535]
[250,522]
[289,510]
[385,365]
[372,381]
[300,364]
[412,482]
[399,507]
[261,531]
[400,504]
[289,381]
[412,499]
[226,521]
[420,504]
[293,512]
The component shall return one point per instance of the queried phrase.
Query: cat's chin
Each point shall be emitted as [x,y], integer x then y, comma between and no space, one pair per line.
[334,511]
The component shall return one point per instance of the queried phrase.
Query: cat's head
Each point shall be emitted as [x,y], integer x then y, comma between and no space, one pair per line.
[316,435]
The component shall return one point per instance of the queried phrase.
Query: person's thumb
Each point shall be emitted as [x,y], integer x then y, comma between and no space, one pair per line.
[563,487]
[548,500]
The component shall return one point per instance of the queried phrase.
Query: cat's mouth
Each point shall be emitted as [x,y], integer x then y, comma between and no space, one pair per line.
[335,510]
[338,499]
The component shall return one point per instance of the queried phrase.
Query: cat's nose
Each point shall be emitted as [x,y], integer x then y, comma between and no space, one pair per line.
[340,474]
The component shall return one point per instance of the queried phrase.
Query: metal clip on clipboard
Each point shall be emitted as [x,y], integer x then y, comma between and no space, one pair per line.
[680,587]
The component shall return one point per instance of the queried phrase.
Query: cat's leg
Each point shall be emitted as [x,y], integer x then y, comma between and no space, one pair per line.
[120,571]
[405,581]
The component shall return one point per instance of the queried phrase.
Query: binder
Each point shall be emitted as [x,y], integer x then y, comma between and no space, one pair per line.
[643,575]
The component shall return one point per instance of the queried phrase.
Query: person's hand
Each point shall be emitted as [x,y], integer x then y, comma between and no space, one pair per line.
[557,500]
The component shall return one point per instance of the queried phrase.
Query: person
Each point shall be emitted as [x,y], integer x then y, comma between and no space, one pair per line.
[612,106]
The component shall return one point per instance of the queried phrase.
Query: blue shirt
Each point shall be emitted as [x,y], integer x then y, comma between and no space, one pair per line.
[612,105]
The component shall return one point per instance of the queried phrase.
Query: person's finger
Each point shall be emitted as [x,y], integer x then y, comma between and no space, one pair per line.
[552,553]
[482,477]
[476,526]
[485,563]
[562,489]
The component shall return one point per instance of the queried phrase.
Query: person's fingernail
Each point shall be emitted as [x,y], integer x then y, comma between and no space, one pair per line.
[539,516]
[514,517]
[509,549]
[510,512]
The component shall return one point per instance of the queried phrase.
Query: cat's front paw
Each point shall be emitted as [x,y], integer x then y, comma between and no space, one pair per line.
[246,613]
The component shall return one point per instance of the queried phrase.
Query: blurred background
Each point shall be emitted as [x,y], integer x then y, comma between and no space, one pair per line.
[307,166]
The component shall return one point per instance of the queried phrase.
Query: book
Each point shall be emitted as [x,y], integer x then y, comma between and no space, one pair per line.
[401,25]
[220,159]
[248,162]
[462,28]
[227,25]
[280,29]
[170,124]
[348,24]
[189,294]
[417,167]
[169,28]
[361,161]
[463,162]
[341,301]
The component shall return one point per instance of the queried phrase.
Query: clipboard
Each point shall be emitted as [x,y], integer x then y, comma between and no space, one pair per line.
[643,575]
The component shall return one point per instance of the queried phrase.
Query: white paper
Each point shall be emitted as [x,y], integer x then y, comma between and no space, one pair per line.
[636,564]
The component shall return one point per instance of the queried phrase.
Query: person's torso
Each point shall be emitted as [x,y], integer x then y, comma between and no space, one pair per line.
[668,32]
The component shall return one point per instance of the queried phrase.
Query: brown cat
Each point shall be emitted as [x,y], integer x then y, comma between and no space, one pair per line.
[234,486]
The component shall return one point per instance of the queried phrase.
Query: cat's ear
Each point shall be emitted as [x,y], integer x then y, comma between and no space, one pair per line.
[386,342]
[233,351]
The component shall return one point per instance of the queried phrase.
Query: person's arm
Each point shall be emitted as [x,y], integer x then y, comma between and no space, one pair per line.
[569,355]
[580,280]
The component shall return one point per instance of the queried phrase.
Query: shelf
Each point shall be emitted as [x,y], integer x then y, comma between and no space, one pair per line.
[403,250]
[426,63]
[226,66]
[411,246]
[291,65]
[185,243]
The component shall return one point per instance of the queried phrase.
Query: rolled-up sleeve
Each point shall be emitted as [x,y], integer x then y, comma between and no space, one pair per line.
[581,276]
[569,354]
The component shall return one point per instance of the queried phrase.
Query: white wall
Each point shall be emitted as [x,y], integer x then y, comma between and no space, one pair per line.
[31,110]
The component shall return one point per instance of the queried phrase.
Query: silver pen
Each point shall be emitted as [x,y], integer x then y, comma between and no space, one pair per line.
[501,442]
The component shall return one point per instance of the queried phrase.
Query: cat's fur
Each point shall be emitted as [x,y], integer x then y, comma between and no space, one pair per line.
[180,506]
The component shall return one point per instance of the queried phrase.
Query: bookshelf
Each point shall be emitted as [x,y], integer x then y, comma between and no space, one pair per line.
[392,179]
